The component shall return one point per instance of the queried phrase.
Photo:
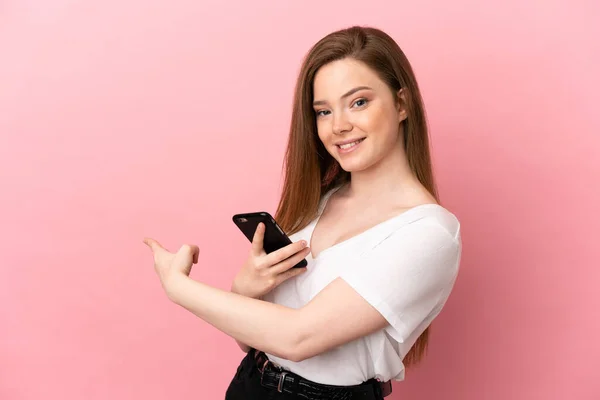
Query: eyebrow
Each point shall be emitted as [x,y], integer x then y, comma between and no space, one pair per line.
[348,93]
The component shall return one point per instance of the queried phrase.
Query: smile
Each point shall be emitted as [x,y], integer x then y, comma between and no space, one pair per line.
[348,147]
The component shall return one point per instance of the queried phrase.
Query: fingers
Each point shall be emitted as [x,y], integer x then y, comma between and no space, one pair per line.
[258,239]
[286,252]
[288,274]
[291,261]
[153,244]
[196,254]
[188,250]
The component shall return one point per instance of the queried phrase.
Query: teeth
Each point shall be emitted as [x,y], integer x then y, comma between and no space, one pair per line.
[347,146]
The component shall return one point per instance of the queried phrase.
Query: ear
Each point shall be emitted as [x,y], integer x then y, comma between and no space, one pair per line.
[401,104]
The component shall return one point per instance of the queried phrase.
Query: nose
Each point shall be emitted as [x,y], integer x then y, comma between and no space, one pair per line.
[341,123]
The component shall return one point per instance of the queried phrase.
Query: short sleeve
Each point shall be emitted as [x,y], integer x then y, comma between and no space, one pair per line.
[407,274]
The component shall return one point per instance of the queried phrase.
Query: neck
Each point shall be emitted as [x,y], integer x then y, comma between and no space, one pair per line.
[391,175]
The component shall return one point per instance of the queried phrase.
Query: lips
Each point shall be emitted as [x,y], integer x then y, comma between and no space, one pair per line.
[349,145]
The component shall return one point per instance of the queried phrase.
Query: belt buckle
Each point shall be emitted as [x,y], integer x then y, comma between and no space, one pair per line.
[281,382]
[278,368]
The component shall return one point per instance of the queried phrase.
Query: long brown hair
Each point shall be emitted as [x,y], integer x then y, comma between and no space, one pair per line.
[309,170]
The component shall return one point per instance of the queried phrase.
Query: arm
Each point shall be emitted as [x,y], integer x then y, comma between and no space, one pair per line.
[262,273]
[404,280]
[335,316]
[256,323]
[243,346]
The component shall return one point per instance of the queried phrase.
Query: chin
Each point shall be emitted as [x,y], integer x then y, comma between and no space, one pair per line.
[354,166]
[357,161]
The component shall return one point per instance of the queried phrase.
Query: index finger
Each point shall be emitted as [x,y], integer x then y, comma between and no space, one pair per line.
[258,239]
[153,244]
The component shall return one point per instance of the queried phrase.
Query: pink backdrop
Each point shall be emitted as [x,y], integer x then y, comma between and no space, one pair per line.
[125,119]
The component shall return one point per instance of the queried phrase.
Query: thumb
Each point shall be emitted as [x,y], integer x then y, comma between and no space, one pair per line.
[187,255]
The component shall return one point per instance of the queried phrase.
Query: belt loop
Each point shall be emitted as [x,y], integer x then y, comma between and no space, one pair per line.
[262,368]
[281,382]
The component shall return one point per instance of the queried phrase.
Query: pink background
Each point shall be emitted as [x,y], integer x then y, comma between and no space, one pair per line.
[125,119]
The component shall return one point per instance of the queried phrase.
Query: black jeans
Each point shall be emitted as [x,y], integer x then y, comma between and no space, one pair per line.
[246,384]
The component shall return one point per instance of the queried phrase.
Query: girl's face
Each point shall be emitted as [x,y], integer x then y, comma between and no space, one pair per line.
[358,116]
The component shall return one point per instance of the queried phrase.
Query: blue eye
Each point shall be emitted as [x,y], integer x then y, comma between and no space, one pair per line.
[322,113]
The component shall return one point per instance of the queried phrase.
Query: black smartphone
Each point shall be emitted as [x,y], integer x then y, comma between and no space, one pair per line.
[275,238]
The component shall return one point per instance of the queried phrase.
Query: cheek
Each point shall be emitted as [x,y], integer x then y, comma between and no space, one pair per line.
[322,130]
[386,124]
[376,121]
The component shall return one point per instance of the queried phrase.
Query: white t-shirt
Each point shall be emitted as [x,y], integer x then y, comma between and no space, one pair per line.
[405,267]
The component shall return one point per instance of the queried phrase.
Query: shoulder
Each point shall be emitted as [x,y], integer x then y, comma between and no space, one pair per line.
[424,228]
[437,218]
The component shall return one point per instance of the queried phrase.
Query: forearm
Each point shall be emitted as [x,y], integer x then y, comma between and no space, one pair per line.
[256,323]
[243,346]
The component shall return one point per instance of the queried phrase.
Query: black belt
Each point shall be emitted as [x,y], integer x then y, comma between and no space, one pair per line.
[284,381]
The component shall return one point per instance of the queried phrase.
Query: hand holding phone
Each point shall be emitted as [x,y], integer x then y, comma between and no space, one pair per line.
[273,257]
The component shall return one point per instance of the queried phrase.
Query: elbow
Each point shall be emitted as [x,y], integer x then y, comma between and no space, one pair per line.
[300,343]
[295,355]
[298,349]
